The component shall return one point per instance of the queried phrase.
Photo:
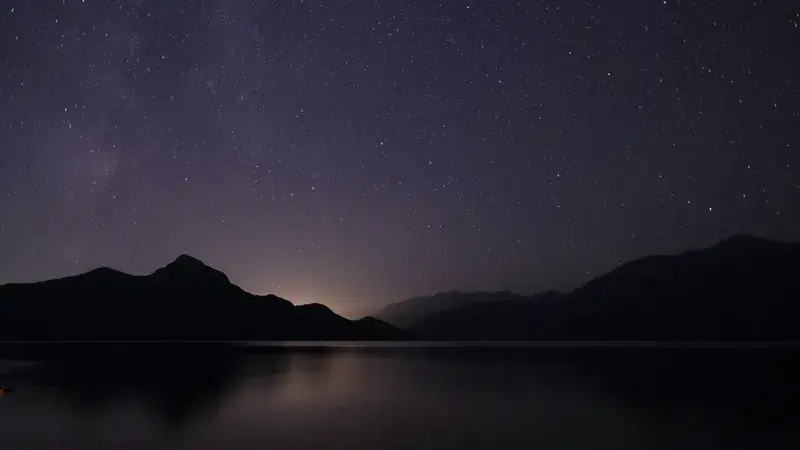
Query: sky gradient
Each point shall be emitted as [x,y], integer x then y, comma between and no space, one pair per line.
[356,153]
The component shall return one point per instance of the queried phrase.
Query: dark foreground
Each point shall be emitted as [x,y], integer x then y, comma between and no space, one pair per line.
[203,396]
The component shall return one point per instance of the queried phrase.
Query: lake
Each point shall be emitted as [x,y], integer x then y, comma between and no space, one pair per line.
[332,396]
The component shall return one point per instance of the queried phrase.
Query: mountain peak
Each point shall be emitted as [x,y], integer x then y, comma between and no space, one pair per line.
[186,266]
[104,271]
[319,307]
[185,259]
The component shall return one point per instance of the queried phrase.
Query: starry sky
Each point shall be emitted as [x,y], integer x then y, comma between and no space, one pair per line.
[360,152]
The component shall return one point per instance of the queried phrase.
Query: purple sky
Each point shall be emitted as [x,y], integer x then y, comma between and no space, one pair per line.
[360,152]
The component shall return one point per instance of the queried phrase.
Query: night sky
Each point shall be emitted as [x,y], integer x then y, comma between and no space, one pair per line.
[360,152]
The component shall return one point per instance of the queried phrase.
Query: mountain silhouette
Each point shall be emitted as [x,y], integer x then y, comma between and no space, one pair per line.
[742,289]
[188,268]
[184,300]
[409,313]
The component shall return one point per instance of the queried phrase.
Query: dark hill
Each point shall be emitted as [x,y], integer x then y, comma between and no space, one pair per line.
[742,289]
[409,313]
[185,300]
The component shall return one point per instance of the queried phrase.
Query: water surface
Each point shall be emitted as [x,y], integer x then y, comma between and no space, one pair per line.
[220,396]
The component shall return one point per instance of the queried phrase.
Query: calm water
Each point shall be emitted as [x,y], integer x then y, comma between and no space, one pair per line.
[204,396]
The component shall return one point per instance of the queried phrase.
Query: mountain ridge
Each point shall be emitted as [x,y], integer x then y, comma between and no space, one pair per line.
[742,288]
[185,300]
[407,312]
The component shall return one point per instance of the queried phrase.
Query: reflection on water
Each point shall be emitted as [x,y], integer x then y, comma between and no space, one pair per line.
[201,396]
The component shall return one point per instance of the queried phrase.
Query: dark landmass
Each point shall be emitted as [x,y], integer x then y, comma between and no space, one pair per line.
[409,313]
[186,300]
[742,289]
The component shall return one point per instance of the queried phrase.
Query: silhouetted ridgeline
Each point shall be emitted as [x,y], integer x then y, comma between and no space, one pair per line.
[742,289]
[186,300]
[409,313]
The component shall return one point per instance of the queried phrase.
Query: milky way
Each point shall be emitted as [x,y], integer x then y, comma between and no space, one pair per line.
[359,152]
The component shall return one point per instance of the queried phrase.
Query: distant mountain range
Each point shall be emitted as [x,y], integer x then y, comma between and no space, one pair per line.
[742,289]
[186,300]
[409,313]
